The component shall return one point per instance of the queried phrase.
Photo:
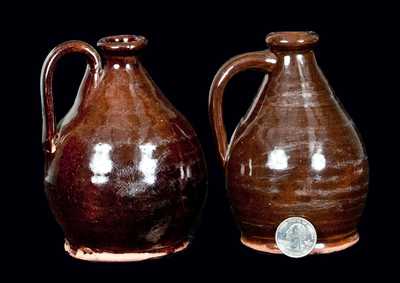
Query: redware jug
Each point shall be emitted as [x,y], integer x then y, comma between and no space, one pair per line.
[296,158]
[124,171]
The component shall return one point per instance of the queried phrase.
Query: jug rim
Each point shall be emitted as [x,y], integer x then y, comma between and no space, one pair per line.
[125,42]
[292,39]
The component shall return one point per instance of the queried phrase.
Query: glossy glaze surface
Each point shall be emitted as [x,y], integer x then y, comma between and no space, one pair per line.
[295,153]
[124,170]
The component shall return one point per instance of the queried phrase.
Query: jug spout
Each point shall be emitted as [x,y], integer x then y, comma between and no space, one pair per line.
[121,45]
[296,72]
[292,40]
[121,50]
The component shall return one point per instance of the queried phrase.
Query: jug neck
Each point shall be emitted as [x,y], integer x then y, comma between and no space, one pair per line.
[296,70]
[120,62]
[294,49]
[120,51]
[297,62]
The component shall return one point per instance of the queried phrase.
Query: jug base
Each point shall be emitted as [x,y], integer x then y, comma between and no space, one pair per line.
[89,255]
[320,247]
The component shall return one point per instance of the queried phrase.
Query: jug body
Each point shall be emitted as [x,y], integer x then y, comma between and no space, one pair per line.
[295,154]
[125,175]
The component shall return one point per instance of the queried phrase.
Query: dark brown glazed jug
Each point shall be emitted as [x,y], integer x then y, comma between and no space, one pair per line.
[125,174]
[296,153]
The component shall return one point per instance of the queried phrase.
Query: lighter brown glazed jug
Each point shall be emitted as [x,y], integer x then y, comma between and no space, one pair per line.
[296,153]
[124,175]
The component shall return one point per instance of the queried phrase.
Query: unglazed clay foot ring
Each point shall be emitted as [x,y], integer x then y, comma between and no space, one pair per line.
[90,255]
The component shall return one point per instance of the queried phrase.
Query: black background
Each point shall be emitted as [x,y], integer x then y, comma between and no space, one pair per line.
[187,45]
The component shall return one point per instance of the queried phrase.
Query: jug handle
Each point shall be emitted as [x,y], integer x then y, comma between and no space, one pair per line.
[260,60]
[46,83]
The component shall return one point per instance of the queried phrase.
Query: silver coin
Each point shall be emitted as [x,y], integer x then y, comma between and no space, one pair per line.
[296,237]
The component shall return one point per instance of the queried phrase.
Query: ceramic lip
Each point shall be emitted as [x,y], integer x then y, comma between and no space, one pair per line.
[292,39]
[122,43]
